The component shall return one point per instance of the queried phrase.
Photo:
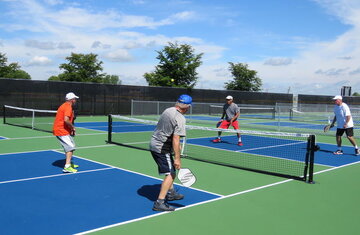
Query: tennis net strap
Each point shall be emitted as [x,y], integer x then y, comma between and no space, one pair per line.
[32,118]
[283,154]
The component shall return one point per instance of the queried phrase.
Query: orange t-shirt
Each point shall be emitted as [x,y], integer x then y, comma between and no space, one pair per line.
[60,127]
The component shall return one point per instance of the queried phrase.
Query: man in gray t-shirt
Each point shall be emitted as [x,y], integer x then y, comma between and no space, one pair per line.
[164,142]
[229,118]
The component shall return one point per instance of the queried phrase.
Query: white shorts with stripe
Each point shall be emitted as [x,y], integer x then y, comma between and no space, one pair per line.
[67,142]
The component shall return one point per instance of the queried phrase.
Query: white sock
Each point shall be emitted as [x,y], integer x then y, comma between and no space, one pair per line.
[67,165]
[356,147]
[239,139]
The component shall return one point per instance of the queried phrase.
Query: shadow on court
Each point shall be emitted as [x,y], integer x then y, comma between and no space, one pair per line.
[59,163]
[151,192]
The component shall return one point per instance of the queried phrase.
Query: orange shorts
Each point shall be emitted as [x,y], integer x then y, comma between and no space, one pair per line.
[226,124]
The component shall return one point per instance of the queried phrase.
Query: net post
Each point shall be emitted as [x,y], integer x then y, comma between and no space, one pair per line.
[4,114]
[132,108]
[311,159]
[33,120]
[109,128]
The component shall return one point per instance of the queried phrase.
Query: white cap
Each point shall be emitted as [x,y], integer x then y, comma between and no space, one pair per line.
[229,97]
[337,97]
[70,96]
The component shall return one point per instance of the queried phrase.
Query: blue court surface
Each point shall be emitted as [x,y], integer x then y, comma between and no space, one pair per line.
[280,148]
[37,198]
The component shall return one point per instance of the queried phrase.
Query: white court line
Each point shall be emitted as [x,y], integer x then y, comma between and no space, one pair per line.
[205,202]
[51,176]
[49,136]
[272,146]
[43,150]
[137,173]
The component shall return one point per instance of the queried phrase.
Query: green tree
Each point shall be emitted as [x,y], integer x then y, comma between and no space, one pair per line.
[356,94]
[54,78]
[84,68]
[244,78]
[13,70]
[111,79]
[177,67]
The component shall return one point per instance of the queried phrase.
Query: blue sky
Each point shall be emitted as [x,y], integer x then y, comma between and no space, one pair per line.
[297,46]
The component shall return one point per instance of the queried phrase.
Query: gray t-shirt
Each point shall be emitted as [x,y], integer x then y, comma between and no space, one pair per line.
[171,122]
[230,110]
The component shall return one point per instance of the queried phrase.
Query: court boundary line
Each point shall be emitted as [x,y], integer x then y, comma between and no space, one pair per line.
[52,176]
[138,173]
[207,201]
[49,136]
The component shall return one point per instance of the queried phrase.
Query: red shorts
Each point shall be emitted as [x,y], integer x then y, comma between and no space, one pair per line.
[226,124]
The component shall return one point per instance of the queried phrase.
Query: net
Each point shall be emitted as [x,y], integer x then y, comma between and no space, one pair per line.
[283,154]
[32,118]
[312,117]
[246,112]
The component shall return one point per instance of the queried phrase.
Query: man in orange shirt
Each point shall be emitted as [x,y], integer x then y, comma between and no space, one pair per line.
[64,130]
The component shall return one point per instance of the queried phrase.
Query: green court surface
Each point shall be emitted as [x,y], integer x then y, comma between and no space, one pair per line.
[251,203]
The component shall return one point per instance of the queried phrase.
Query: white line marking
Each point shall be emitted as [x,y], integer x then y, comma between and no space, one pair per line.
[208,201]
[272,146]
[49,136]
[50,176]
[43,150]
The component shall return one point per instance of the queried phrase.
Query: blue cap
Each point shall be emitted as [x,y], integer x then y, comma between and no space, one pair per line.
[185,99]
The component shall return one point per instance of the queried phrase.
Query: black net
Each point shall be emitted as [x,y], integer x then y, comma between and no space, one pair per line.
[283,154]
[31,118]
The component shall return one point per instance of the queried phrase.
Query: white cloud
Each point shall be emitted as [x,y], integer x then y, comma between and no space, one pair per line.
[98,44]
[278,61]
[39,61]
[40,45]
[53,2]
[120,55]
[332,72]
[65,45]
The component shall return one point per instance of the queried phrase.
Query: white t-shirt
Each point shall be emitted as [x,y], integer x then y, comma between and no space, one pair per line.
[341,112]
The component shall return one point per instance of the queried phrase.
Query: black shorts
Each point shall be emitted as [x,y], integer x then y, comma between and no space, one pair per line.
[349,131]
[165,163]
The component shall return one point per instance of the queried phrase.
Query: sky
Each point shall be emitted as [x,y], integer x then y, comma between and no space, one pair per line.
[296,46]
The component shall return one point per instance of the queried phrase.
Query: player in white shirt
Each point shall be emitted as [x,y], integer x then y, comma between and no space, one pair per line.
[345,124]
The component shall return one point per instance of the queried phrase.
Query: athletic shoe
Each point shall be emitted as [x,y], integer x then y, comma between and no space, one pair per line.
[240,143]
[357,152]
[172,195]
[69,170]
[217,140]
[338,152]
[74,165]
[162,206]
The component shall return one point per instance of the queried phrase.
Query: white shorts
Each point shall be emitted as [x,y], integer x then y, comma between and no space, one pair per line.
[67,142]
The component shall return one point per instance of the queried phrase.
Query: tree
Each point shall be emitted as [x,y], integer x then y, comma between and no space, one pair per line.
[84,68]
[244,78]
[111,79]
[177,67]
[355,94]
[12,70]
